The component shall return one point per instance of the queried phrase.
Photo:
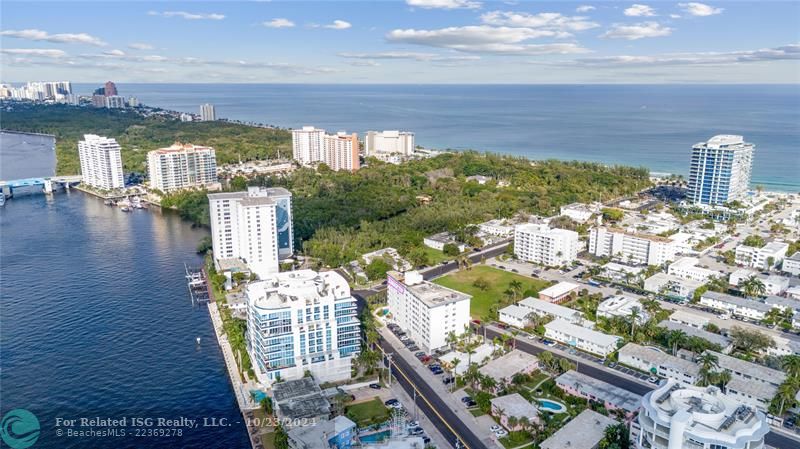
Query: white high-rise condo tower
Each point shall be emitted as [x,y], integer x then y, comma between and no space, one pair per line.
[255,226]
[300,321]
[392,142]
[307,144]
[207,113]
[720,170]
[101,162]
[182,166]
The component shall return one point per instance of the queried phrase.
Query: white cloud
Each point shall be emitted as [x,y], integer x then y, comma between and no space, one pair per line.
[140,46]
[188,15]
[279,23]
[485,39]
[546,20]
[417,56]
[674,16]
[786,52]
[338,25]
[585,8]
[114,52]
[364,63]
[699,9]
[637,31]
[61,38]
[637,10]
[444,4]
[42,52]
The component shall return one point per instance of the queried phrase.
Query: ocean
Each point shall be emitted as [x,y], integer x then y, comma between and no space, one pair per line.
[653,126]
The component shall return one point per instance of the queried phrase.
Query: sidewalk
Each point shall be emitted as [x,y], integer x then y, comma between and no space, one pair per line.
[435,382]
[408,403]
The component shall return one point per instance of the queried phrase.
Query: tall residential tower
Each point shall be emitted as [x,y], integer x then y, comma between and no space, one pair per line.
[255,226]
[182,166]
[207,112]
[101,162]
[720,170]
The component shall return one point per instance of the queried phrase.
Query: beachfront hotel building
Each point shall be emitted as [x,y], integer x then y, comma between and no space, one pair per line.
[645,249]
[182,166]
[300,321]
[254,226]
[426,311]
[339,151]
[389,142]
[720,170]
[101,162]
[678,416]
[540,244]
[207,112]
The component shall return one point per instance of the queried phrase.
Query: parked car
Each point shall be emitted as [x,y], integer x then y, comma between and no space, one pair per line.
[375,386]
[495,428]
[471,404]
[420,354]
[426,440]
[391,402]
[413,348]
[412,424]
[417,431]
[501,433]
[612,364]
[466,399]
[653,380]
[447,380]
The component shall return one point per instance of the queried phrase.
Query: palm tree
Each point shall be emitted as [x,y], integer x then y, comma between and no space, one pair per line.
[675,338]
[451,339]
[722,380]
[708,362]
[455,363]
[512,422]
[546,357]
[516,286]
[564,365]
[634,316]
[488,383]
[785,395]
[791,364]
[752,286]
[514,334]
[652,306]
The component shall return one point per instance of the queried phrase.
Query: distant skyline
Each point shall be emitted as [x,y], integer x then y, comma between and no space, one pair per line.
[411,41]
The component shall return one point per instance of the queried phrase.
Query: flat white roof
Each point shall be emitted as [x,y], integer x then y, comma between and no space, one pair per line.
[582,333]
[549,308]
[560,289]
[516,405]
[504,367]
[583,432]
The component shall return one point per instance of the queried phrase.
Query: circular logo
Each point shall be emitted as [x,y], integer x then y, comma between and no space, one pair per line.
[19,429]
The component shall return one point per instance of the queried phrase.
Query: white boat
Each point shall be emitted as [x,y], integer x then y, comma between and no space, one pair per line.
[198,340]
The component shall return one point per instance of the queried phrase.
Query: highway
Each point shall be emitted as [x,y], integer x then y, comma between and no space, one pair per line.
[430,403]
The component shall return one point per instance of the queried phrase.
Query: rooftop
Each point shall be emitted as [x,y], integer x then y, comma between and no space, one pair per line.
[722,140]
[549,308]
[749,370]
[300,398]
[707,413]
[433,295]
[603,391]
[516,311]
[582,333]
[282,289]
[780,301]
[655,357]
[178,147]
[560,289]
[716,339]
[795,256]
[737,301]
[760,390]
[583,432]
[311,437]
[515,405]
[504,367]
[684,316]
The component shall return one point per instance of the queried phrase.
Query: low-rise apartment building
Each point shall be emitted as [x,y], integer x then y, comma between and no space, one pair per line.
[669,285]
[624,307]
[580,212]
[581,338]
[540,244]
[613,398]
[427,311]
[689,319]
[558,293]
[773,284]
[645,249]
[584,431]
[688,268]
[734,305]
[760,258]
[658,362]
[437,241]
[546,308]
[725,344]
[791,264]
[755,384]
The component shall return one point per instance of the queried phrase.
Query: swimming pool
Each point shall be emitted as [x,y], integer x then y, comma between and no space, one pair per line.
[376,437]
[258,395]
[551,406]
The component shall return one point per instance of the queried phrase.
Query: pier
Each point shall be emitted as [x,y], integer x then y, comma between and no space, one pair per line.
[198,287]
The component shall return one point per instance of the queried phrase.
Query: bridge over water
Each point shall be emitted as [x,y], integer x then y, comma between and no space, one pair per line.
[47,183]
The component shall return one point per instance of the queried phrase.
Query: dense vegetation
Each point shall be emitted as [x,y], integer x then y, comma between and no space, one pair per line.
[340,215]
[138,134]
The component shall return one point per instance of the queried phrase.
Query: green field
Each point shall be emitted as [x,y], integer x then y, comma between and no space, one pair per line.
[368,413]
[498,280]
[435,257]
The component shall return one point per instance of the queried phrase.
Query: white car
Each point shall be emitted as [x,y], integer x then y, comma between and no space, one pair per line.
[500,433]
[495,428]
[723,317]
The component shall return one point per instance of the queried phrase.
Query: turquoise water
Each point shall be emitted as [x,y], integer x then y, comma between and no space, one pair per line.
[375,437]
[258,395]
[550,405]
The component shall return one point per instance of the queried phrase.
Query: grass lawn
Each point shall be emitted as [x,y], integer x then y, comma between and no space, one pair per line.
[515,439]
[367,413]
[435,257]
[498,281]
[476,412]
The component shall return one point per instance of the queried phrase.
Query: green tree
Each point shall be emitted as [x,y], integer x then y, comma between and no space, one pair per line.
[204,245]
[615,436]
[450,249]
[708,364]
[481,283]
[750,341]
[752,286]
[377,269]
[418,257]
[238,183]
[612,214]
[281,438]
[754,240]
[791,365]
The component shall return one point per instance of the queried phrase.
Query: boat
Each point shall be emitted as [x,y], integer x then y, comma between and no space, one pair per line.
[125,209]
[198,340]
[108,202]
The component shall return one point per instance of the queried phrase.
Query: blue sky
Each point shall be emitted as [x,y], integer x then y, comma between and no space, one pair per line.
[410,41]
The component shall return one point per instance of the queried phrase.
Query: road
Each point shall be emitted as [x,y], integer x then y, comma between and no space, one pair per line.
[773,438]
[442,417]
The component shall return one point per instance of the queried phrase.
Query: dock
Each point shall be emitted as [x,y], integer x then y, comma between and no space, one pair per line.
[196,283]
